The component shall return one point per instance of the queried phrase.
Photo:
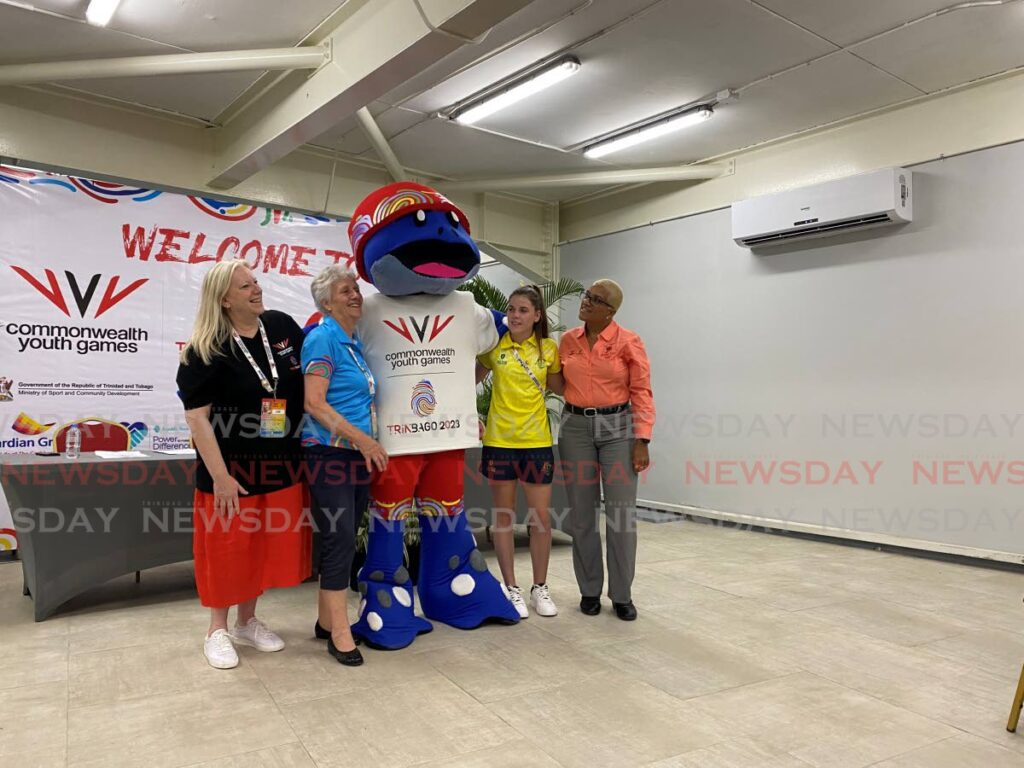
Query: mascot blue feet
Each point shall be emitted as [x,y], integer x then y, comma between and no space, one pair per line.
[454,584]
[386,618]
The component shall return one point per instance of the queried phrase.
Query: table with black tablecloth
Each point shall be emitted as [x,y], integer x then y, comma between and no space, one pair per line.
[81,522]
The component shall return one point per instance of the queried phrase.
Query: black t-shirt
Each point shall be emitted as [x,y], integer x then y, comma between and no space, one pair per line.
[232,388]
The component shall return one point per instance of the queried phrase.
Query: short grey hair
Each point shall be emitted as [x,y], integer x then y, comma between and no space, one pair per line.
[323,284]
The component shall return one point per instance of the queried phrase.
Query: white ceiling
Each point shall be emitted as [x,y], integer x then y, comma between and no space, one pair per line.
[797,64]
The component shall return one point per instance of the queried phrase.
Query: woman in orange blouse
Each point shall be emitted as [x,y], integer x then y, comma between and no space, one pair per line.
[606,429]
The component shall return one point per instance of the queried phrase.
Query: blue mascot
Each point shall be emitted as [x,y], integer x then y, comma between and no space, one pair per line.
[421,338]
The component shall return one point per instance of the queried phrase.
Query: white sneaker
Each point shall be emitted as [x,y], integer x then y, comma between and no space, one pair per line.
[515,596]
[220,651]
[256,634]
[540,599]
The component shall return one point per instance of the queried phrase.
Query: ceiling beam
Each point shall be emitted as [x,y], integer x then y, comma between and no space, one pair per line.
[165,64]
[380,144]
[377,47]
[591,178]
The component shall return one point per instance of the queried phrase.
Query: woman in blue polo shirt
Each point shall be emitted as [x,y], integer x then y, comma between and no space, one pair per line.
[341,447]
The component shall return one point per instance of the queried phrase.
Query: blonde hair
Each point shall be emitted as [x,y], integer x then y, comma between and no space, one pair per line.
[212,328]
[614,291]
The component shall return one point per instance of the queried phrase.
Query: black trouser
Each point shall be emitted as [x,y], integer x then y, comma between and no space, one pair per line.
[339,484]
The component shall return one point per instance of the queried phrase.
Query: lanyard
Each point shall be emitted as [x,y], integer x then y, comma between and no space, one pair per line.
[271,388]
[371,385]
[529,371]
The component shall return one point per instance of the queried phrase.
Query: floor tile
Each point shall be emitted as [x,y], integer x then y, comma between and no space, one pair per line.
[35,661]
[139,671]
[957,752]
[426,719]
[687,664]
[866,664]
[821,722]
[285,756]
[522,659]
[33,724]
[976,702]
[896,623]
[514,754]
[991,650]
[608,719]
[738,753]
[177,729]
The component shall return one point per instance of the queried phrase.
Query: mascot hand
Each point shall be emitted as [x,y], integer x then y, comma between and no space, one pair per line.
[500,322]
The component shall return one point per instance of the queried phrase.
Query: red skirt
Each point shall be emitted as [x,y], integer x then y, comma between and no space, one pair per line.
[267,544]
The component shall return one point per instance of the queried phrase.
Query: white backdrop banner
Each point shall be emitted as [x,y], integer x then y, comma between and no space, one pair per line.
[99,284]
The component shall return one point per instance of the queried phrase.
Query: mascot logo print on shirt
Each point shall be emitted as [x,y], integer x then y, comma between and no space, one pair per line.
[423,400]
[413,245]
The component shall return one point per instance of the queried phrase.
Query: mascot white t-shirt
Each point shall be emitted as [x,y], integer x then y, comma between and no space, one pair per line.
[422,350]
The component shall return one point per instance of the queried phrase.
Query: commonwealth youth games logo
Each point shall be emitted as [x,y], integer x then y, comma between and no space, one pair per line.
[423,399]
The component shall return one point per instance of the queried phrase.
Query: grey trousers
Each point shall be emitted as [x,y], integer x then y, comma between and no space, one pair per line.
[596,452]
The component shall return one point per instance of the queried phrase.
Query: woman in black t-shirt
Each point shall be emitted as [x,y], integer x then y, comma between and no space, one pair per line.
[241,382]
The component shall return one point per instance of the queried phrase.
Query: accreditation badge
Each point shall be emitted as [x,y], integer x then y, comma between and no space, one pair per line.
[273,418]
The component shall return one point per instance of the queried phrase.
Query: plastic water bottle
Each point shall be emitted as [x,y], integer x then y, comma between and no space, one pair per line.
[73,442]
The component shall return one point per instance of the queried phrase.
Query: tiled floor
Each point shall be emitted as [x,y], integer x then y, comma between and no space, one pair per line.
[751,651]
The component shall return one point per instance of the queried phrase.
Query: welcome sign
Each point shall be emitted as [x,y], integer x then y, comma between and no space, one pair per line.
[99,284]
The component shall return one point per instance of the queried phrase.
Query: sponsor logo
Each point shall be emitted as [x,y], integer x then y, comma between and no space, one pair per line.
[26,425]
[421,329]
[6,384]
[170,438]
[8,539]
[137,432]
[82,291]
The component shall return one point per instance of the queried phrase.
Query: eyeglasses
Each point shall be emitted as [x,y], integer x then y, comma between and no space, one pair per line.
[588,296]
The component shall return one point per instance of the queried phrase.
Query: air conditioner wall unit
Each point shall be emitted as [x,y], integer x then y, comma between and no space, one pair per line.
[864,201]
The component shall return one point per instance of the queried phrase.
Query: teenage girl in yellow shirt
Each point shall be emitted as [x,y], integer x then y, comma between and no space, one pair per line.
[517,440]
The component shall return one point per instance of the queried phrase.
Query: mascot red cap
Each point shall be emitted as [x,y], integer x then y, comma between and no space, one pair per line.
[388,203]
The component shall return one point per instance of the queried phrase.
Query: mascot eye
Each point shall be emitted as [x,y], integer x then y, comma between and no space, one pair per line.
[454,219]
[420,217]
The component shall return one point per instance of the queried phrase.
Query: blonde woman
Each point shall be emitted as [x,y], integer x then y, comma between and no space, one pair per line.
[241,383]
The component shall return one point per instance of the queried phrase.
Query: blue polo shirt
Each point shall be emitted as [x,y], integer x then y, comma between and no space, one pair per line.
[329,352]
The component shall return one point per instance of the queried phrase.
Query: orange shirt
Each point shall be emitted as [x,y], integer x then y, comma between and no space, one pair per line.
[615,371]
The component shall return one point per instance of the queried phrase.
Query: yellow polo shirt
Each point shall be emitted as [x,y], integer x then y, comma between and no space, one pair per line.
[518,417]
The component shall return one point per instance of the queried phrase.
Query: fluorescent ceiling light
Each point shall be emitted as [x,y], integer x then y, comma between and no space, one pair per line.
[100,12]
[648,132]
[519,90]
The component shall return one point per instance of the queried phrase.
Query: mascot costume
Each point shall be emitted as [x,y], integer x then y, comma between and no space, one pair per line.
[421,338]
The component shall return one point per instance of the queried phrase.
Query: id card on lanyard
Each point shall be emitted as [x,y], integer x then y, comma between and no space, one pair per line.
[273,410]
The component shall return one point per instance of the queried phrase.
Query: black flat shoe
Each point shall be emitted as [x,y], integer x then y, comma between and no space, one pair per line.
[625,611]
[351,658]
[591,606]
[325,634]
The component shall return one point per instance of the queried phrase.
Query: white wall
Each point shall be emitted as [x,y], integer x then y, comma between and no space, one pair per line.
[984,114]
[818,354]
